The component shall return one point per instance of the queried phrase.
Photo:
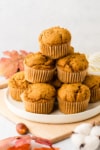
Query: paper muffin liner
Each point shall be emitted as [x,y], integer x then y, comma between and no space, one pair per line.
[55,51]
[71,77]
[15,93]
[95,95]
[72,107]
[38,107]
[37,76]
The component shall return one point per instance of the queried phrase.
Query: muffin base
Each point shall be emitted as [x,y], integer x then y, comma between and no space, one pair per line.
[72,107]
[39,107]
[71,77]
[95,95]
[37,76]
[55,51]
[15,93]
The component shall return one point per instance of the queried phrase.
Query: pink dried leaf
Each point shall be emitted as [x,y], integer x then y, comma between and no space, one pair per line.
[12,63]
[20,141]
[8,67]
[23,140]
[23,53]
[4,62]
[21,65]
[12,54]
[6,143]
[42,141]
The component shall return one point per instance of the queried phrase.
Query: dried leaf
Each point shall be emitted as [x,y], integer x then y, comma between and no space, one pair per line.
[45,148]
[12,63]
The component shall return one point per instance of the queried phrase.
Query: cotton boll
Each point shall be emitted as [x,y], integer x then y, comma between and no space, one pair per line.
[78,139]
[95,131]
[90,143]
[84,128]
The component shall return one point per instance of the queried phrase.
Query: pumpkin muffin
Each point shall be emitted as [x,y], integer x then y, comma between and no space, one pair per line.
[73,98]
[93,82]
[54,42]
[39,98]
[17,84]
[38,68]
[72,68]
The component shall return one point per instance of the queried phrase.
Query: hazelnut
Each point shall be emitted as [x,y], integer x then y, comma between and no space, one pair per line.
[21,128]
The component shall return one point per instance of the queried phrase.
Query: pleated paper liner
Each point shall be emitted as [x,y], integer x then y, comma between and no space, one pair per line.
[55,51]
[35,75]
[95,95]
[71,77]
[72,107]
[40,107]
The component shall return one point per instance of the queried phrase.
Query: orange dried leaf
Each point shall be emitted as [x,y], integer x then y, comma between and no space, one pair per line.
[45,148]
[24,147]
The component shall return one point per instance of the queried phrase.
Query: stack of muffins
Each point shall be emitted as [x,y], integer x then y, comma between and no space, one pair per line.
[56,72]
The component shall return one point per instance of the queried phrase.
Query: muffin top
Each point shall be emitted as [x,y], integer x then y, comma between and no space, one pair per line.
[39,92]
[54,35]
[73,92]
[18,81]
[92,81]
[39,61]
[73,63]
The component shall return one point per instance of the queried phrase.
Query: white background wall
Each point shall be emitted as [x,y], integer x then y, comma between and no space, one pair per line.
[21,21]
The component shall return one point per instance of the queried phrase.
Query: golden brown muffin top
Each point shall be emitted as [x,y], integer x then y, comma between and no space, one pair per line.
[18,81]
[39,61]
[39,92]
[73,63]
[92,81]
[73,92]
[54,35]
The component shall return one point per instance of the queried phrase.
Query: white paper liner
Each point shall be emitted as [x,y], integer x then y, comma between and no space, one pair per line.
[55,51]
[37,76]
[71,77]
[72,107]
[39,107]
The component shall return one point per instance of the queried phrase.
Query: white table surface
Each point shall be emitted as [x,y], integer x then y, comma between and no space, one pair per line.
[22,21]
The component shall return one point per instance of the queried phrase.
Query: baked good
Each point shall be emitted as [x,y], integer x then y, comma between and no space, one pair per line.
[38,68]
[55,81]
[17,84]
[54,42]
[72,68]
[73,98]
[93,82]
[70,50]
[39,98]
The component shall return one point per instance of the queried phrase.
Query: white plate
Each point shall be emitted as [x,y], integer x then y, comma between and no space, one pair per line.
[54,118]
